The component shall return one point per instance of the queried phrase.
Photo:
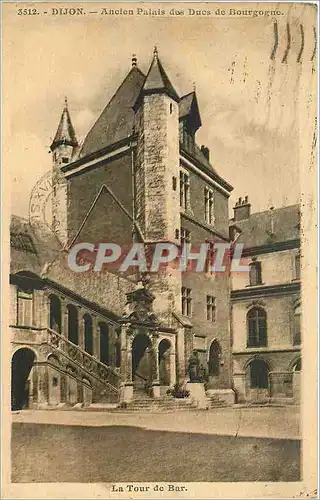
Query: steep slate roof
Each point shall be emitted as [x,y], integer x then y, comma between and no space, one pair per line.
[158,80]
[256,230]
[116,120]
[65,133]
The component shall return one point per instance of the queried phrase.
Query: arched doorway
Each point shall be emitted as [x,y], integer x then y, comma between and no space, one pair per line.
[164,362]
[214,359]
[141,361]
[258,381]
[21,365]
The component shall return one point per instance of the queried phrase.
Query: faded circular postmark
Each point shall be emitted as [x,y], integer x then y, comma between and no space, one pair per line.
[41,203]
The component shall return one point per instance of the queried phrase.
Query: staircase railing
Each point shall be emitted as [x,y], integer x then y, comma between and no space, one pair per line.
[88,363]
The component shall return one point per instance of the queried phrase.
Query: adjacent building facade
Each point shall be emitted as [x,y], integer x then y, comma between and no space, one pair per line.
[266,305]
[139,176]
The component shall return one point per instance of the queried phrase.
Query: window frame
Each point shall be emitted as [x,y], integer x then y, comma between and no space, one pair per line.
[257,329]
[186,301]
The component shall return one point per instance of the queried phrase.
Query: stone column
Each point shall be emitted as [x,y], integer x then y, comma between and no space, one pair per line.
[239,382]
[38,307]
[64,319]
[173,376]
[126,363]
[80,327]
[43,385]
[95,337]
[13,305]
[155,367]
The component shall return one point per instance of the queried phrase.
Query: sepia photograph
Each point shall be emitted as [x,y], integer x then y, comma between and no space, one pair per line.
[159,305]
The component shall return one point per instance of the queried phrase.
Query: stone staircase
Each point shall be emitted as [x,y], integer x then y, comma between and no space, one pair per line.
[163,404]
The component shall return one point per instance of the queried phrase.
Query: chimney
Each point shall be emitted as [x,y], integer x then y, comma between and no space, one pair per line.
[206,152]
[242,209]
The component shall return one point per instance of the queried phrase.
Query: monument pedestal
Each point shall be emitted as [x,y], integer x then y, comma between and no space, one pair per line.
[197,394]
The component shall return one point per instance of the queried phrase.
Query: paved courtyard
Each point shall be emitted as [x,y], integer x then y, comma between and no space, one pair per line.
[229,444]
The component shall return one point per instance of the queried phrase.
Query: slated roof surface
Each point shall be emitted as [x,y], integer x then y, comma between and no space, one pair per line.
[65,133]
[256,231]
[116,120]
[157,79]
[185,104]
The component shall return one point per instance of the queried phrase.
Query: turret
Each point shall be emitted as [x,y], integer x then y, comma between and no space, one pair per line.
[63,147]
[157,175]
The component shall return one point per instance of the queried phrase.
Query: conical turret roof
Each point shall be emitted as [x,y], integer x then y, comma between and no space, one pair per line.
[65,133]
[157,79]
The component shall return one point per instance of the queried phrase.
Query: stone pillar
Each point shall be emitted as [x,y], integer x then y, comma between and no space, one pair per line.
[96,337]
[64,320]
[63,388]
[35,385]
[43,385]
[173,376]
[155,367]
[126,363]
[13,305]
[37,308]
[80,328]
[239,382]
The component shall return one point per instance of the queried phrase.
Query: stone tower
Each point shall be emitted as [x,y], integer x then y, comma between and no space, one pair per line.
[157,176]
[63,148]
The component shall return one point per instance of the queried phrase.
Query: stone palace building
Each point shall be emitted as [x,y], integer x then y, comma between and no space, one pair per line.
[110,337]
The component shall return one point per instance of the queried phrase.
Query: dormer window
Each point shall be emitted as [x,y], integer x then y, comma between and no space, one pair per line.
[65,159]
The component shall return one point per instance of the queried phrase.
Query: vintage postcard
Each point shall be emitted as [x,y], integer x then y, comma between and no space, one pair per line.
[159,271]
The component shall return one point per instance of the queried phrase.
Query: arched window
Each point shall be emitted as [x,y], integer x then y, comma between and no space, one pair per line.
[88,337]
[257,327]
[104,343]
[73,335]
[259,374]
[55,313]
[296,326]
[214,358]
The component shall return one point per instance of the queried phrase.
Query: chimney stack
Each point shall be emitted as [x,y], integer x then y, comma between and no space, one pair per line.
[242,209]
[206,152]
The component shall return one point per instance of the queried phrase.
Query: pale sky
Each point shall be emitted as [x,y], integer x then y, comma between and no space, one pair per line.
[248,104]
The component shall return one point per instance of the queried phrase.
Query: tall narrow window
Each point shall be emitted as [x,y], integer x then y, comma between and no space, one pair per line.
[210,257]
[297,264]
[25,307]
[185,236]
[186,301]
[257,327]
[104,343]
[55,313]
[296,326]
[255,274]
[184,190]
[73,330]
[208,206]
[211,308]
[88,333]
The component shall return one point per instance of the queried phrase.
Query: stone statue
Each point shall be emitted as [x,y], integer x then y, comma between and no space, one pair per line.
[194,367]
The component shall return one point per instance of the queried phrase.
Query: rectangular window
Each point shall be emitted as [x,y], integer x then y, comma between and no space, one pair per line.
[211,308]
[210,257]
[184,190]
[186,301]
[185,236]
[297,326]
[24,307]
[208,206]
[255,275]
[174,183]
[297,265]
